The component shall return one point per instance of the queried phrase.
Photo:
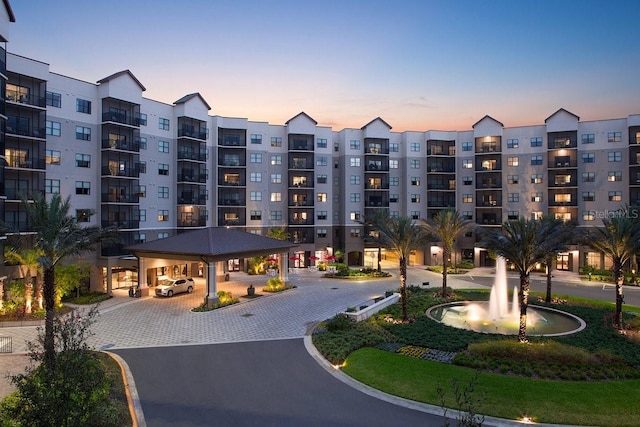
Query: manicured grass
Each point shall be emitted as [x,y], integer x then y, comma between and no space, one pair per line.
[606,403]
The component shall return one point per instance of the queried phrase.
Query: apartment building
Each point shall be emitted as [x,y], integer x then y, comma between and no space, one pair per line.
[156,169]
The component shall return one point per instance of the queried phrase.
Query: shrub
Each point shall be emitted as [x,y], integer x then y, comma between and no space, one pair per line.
[465,264]
[339,322]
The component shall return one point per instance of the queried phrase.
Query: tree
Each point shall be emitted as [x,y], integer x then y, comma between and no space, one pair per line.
[278,234]
[524,243]
[447,227]
[27,260]
[565,232]
[619,239]
[57,235]
[401,235]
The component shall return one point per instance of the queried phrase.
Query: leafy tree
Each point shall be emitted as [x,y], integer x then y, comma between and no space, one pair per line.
[447,227]
[565,234]
[278,234]
[70,278]
[401,235]
[619,239]
[524,243]
[27,260]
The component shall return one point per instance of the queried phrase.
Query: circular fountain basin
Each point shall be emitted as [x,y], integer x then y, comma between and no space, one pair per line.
[472,315]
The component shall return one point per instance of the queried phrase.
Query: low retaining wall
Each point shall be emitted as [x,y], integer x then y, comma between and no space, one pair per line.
[373,308]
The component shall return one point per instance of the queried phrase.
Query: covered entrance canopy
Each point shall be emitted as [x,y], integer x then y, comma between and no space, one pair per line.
[211,246]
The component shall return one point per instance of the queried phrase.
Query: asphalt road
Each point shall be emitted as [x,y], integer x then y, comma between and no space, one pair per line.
[258,383]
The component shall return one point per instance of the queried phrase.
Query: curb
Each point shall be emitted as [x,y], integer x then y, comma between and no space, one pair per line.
[133,399]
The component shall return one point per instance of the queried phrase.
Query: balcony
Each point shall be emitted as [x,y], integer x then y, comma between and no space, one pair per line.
[198,178]
[194,200]
[376,203]
[120,118]
[191,155]
[189,132]
[22,130]
[16,162]
[194,222]
[120,198]
[122,173]
[121,144]
[121,224]
[31,100]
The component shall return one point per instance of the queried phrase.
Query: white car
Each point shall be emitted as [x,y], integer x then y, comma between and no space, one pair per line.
[168,287]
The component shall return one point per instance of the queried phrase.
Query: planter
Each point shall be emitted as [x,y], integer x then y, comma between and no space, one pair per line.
[364,311]
[251,290]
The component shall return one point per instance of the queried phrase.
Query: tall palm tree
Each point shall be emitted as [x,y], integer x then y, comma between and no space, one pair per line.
[564,236]
[401,235]
[619,239]
[447,227]
[28,261]
[524,243]
[57,235]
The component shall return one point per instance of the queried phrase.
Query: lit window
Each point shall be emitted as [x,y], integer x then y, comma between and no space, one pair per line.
[614,137]
[276,197]
[536,197]
[467,198]
[52,157]
[415,181]
[467,164]
[163,215]
[321,197]
[393,164]
[614,176]
[354,161]
[512,161]
[276,141]
[615,196]
[276,159]
[588,215]
[354,216]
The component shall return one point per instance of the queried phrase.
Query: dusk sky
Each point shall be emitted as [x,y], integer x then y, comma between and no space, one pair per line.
[420,65]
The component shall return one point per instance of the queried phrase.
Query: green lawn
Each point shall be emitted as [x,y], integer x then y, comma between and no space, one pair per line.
[607,403]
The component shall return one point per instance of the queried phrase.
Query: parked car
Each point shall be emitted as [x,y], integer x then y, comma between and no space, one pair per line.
[168,287]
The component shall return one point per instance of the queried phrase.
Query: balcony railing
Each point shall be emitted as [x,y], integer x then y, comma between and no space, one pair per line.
[376,204]
[192,200]
[190,155]
[192,133]
[124,173]
[123,224]
[197,222]
[121,118]
[26,163]
[119,144]
[35,100]
[120,198]
[32,131]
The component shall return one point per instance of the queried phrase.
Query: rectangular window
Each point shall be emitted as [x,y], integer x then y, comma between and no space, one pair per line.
[52,157]
[354,232]
[562,198]
[322,215]
[255,177]
[415,214]
[256,138]
[354,161]
[588,177]
[467,164]
[614,136]
[142,119]
[415,198]
[142,142]
[142,166]
[354,144]
[83,187]
[467,198]
[163,169]
[394,181]
[536,141]
[588,138]
[52,128]
[614,176]
[83,106]
[536,178]
[255,158]
[321,143]
[83,160]
[322,232]
[394,147]
[467,214]
[276,178]
[54,99]
[414,147]
[588,215]
[512,179]
[588,158]
[512,143]
[588,196]
[513,215]
[83,215]
[614,156]
[467,180]
[393,164]
[163,124]
[322,161]
[276,141]
[536,215]
[354,197]
[163,215]
[512,161]
[415,181]
[414,164]
[163,192]
[467,146]
[255,215]
[354,179]
[276,197]
[536,160]
[163,146]
[83,133]
[142,191]
[275,215]
[321,179]
[536,197]
[615,196]
[276,159]
[354,216]
[513,197]
[321,197]
[255,196]
[52,186]
[393,198]
[163,235]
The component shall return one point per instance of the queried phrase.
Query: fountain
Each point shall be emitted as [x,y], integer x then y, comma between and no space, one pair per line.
[497,316]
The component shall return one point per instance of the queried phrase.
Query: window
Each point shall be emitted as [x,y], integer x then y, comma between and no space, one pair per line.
[394,147]
[394,181]
[255,215]
[354,216]
[83,187]
[415,214]
[354,144]
[415,147]
[322,161]
[513,197]
[83,106]
[52,128]
[83,133]
[276,197]
[276,159]
[393,198]
[536,160]
[562,198]
[614,176]
[163,215]
[614,156]
[354,161]
[142,142]
[163,169]
[536,178]
[614,137]
[321,179]
[414,164]
[536,141]
[512,143]
[415,181]
[54,99]
[142,119]
[255,177]
[255,158]
[615,196]
[535,215]
[52,157]
[467,214]
[588,138]
[52,186]
[163,124]
[467,198]
[321,197]
[415,198]
[275,215]
[256,138]
[354,232]
[276,178]
[467,146]
[163,192]
[163,146]
[512,179]
[142,191]
[83,215]
[321,232]
[276,141]
[142,166]
[163,235]
[513,215]
[588,177]
[467,164]
[512,161]
[588,215]
[255,196]
[467,180]
[321,214]
[354,197]
[321,143]
[393,164]
[354,179]
[536,197]
[588,196]
[83,160]
[588,158]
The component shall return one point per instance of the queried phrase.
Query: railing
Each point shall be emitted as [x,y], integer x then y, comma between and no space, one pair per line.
[26,163]
[120,198]
[32,131]
[201,222]
[15,96]
[192,133]
[6,345]
[193,200]
[117,144]
[190,155]
[120,118]
[126,173]
[123,225]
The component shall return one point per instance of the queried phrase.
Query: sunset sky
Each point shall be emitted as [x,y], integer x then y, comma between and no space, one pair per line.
[419,65]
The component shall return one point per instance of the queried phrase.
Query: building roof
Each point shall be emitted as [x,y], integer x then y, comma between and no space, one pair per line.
[212,244]
[121,73]
[302,113]
[377,118]
[191,96]
[559,111]
[7,5]
[487,117]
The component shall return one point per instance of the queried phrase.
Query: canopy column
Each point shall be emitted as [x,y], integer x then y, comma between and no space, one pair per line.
[212,291]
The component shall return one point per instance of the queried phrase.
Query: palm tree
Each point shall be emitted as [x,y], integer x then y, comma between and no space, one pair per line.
[524,243]
[447,227]
[27,259]
[399,234]
[619,239]
[57,235]
[565,234]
